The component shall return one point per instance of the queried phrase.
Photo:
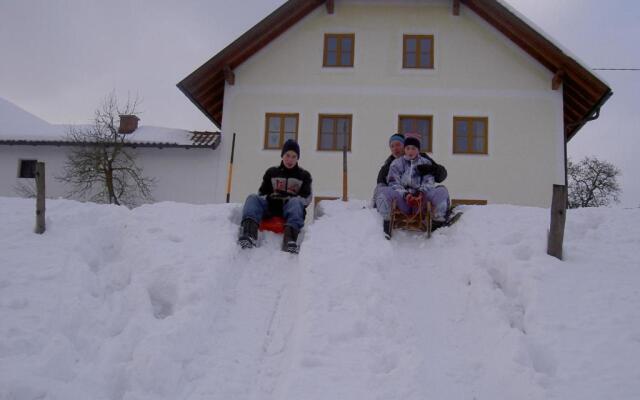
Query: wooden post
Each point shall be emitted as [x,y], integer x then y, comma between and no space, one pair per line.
[456,7]
[558,216]
[40,196]
[233,149]
[345,178]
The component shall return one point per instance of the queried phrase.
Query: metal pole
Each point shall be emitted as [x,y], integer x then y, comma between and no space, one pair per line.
[230,174]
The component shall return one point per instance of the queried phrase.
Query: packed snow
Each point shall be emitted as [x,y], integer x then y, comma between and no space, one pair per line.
[159,302]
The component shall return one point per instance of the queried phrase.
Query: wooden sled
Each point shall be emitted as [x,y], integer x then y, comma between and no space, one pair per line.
[419,221]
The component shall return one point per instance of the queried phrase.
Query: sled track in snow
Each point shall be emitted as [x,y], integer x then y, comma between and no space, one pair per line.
[252,321]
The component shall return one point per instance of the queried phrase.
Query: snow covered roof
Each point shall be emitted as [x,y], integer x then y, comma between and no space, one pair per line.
[19,127]
[584,92]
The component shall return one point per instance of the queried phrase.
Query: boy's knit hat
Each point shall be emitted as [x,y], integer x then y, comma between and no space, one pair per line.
[290,145]
[412,141]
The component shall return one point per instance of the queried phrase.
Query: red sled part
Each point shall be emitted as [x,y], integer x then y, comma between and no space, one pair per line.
[273,224]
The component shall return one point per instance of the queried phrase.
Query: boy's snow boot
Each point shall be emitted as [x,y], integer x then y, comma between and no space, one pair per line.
[249,235]
[386,227]
[290,240]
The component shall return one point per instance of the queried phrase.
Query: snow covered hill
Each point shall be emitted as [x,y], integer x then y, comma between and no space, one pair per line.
[159,303]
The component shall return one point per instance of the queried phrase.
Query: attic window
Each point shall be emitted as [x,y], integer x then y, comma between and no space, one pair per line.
[27,169]
[417,51]
[338,49]
[279,128]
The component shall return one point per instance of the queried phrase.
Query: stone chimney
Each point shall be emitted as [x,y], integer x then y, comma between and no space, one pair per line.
[128,123]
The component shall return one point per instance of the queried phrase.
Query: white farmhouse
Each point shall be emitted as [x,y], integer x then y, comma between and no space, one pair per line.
[494,99]
[182,162]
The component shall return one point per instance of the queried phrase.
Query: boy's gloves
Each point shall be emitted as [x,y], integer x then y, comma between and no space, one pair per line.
[276,201]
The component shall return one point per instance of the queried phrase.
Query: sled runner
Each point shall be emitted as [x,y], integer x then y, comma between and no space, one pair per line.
[419,220]
[452,217]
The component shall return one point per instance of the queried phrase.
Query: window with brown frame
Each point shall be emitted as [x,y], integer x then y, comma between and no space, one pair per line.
[417,51]
[279,128]
[470,135]
[418,124]
[338,49]
[334,131]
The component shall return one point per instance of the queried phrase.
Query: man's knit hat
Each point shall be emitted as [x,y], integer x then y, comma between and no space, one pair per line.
[290,145]
[412,141]
[396,137]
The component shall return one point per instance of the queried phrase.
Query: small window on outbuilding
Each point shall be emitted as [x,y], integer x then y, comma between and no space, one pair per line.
[27,169]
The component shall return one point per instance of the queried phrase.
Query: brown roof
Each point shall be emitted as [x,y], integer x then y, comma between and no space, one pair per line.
[583,92]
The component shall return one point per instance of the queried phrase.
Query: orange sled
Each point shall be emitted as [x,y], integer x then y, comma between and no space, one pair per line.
[273,224]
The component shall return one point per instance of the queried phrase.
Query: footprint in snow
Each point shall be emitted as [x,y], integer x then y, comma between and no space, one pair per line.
[163,296]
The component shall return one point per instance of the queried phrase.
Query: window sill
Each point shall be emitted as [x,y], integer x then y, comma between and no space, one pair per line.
[337,69]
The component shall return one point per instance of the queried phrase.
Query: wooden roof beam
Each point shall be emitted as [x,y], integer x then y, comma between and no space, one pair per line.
[456,7]
[557,79]
[229,76]
[330,6]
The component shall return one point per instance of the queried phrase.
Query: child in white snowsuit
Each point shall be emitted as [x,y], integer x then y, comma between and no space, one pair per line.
[406,182]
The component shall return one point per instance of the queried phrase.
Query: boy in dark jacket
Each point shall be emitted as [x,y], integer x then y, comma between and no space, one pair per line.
[285,191]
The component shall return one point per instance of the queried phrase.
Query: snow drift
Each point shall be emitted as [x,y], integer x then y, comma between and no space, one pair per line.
[159,303]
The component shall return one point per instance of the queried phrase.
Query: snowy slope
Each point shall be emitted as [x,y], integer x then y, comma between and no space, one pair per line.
[159,303]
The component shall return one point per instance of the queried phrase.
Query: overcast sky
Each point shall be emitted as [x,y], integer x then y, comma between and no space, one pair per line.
[58,58]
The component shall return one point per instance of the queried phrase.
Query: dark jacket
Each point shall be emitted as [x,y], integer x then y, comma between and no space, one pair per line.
[439,172]
[283,183]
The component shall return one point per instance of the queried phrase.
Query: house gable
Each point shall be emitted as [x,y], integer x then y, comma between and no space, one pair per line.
[583,92]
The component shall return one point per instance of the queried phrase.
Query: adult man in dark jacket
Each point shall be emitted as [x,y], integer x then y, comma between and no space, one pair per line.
[285,191]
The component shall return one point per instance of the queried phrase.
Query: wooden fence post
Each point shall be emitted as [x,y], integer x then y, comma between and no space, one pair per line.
[558,216]
[345,177]
[40,198]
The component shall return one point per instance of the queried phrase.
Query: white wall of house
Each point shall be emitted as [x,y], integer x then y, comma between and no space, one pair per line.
[184,175]
[478,72]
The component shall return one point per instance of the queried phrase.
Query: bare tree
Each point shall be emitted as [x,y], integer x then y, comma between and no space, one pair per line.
[100,166]
[27,190]
[593,183]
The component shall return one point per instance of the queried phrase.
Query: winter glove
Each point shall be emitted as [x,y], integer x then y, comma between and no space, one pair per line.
[438,171]
[426,169]
[276,202]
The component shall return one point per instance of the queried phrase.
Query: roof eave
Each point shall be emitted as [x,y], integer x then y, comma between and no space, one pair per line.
[593,114]
[59,143]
